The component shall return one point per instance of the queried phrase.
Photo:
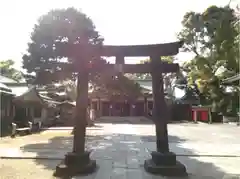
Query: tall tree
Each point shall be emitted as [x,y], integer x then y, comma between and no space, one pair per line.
[46,57]
[52,63]
[210,36]
[7,70]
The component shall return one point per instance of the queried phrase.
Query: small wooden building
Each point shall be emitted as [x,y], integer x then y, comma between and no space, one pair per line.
[6,96]
[66,117]
[31,106]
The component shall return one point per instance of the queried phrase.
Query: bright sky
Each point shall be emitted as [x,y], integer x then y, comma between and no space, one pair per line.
[121,22]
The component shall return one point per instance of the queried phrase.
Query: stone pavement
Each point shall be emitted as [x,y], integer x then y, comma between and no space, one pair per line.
[208,151]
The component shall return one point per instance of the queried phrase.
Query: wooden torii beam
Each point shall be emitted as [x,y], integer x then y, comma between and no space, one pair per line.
[127,68]
[165,49]
[140,68]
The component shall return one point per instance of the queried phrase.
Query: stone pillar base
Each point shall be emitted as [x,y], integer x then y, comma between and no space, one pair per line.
[165,164]
[75,164]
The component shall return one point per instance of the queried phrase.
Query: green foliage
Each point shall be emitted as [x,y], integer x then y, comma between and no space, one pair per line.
[52,52]
[168,59]
[192,33]
[212,36]
[52,43]
[7,70]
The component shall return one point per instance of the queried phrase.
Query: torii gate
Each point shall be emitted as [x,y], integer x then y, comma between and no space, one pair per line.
[163,161]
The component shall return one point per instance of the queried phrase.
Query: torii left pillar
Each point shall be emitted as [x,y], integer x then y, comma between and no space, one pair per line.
[78,161]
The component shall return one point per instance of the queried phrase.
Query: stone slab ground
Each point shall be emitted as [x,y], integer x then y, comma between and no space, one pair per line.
[208,151]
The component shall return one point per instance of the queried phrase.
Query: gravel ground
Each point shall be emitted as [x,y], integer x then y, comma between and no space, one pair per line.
[26,169]
[182,137]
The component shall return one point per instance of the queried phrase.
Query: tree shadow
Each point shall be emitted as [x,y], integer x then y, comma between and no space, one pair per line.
[96,126]
[144,120]
[107,147]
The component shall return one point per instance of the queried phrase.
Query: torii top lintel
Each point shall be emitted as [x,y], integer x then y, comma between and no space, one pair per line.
[165,49]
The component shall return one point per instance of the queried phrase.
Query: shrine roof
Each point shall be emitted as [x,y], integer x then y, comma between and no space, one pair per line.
[29,95]
[72,103]
[145,84]
[4,79]
[19,90]
[232,79]
[32,95]
[5,89]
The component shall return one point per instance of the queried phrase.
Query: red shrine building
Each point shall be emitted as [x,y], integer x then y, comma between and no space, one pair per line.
[106,105]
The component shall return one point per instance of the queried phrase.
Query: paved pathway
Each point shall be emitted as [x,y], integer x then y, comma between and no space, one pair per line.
[121,149]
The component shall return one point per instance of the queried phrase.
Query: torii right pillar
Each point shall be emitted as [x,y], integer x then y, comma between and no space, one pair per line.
[163,161]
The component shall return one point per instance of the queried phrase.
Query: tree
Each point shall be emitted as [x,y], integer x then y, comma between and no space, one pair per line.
[53,63]
[236,25]
[210,36]
[7,70]
[46,55]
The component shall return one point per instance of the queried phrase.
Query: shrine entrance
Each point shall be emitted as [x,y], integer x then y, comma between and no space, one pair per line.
[139,108]
[121,108]
[105,108]
[125,109]
[163,161]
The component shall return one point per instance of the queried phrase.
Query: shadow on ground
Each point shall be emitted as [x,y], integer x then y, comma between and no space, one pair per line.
[196,168]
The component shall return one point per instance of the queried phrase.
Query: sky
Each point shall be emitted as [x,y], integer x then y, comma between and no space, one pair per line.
[120,22]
